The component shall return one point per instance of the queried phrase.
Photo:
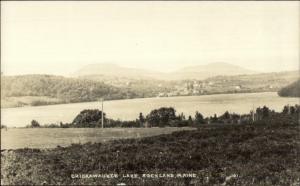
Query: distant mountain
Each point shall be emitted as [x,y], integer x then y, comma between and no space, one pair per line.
[193,72]
[210,70]
[292,90]
[113,70]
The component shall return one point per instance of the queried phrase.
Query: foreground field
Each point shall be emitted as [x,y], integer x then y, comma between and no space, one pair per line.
[15,138]
[224,155]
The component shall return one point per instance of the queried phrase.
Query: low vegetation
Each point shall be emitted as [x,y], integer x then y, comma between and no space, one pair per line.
[262,153]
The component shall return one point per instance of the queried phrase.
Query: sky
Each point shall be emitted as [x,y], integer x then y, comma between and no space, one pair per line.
[59,37]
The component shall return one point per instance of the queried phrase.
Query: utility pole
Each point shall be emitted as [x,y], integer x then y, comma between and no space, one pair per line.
[253,114]
[102,120]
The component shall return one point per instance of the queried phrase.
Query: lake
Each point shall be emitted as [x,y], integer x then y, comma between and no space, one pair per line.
[130,109]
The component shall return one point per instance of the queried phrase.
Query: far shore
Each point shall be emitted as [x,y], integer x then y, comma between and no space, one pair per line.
[5,105]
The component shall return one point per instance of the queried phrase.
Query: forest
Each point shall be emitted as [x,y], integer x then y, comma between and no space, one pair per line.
[64,90]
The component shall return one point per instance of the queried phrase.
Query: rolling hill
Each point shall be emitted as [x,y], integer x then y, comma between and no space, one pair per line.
[113,70]
[209,70]
[48,89]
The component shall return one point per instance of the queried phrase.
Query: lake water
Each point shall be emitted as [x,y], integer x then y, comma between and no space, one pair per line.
[130,109]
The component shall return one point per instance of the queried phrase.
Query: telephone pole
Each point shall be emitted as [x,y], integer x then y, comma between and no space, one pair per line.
[102,120]
[253,114]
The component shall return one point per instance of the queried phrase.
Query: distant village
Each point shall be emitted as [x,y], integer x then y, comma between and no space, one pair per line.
[197,87]
[268,82]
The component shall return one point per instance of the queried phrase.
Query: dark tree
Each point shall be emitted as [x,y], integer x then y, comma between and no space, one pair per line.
[34,124]
[259,113]
[141,118]
[285,109]
[199,118]
[215,118]
[265,112]
[161,117]
[190,120]
[292,110]
[181,116]
[88,118]
[226,115]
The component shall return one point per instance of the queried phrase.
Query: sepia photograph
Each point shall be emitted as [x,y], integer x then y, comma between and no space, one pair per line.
[150,93]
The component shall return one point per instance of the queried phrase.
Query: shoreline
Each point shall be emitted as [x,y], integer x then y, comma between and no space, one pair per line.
[128,110]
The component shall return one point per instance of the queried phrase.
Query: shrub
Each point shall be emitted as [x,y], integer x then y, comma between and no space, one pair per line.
[34,124]
[88,118]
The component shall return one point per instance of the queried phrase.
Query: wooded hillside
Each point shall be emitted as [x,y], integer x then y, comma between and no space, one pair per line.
[64,90]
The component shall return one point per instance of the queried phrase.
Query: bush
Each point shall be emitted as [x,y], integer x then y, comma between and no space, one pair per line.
[161,117]
[88,118]
[34,124]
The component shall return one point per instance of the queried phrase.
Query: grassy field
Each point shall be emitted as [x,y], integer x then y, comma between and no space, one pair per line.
[223,155]
[14,138]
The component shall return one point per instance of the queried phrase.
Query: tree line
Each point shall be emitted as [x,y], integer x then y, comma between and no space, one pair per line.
[167,117]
